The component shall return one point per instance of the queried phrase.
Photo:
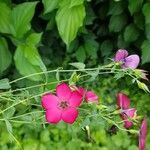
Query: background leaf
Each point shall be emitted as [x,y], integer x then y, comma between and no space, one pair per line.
[5,55]
[69,20]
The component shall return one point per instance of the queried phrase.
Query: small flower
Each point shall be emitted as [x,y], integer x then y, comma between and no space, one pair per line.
[143,134]
[63,105]
[131,61]
[89,96]
[127,113]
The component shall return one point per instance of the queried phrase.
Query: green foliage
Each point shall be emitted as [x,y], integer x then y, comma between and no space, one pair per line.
[5,55]
[69,19]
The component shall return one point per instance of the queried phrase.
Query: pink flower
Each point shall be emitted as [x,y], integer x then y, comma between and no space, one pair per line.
[127,113]
[63,105]
[131,61]
[89,96]
[143,134]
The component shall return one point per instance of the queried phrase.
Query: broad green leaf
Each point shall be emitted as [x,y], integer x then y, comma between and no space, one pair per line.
[28,56]
[139,20]
[117,22]
[80,54]
[146,12]
[147,31]
[116,8]
[145,52]
[76,2]
[34,38]
[134,6]
[5,55]
[106,48]
[131,33]
[69,20]
[21,17]
[4,18]
[4,84]
[91,48]
[78,65]
[50,5]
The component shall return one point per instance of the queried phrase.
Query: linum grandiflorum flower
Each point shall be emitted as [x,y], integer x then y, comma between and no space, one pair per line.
[127,113]
[89,96]
[63,105]
[131,61]
[143,134]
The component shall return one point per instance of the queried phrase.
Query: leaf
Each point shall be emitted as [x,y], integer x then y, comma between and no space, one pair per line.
[9,113]
[69,20]
[131,33]
[34,38]
[5,55]
[91,47]
[28,56]
[50,5]
[78,65]
[117,22]
[116,8]
[145,52]
[147,31]
[146,12]
[4,18]
[106,48]
[134,6]
[8,126]
[80,54]
[4,84]
[21,17]
[143,86]
[76,2]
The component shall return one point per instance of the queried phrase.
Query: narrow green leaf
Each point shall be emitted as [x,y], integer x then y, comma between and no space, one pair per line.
[4,84]
[69,20]
[5,55]
[76,2]
[78,65]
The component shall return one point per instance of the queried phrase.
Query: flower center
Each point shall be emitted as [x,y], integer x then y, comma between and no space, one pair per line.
[63,104]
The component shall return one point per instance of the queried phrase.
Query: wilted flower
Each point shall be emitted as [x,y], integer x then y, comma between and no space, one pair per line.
[127,113]
[143,134]
[131,61]
[63,105]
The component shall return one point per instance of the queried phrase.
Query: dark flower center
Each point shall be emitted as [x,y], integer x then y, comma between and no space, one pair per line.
[63,104]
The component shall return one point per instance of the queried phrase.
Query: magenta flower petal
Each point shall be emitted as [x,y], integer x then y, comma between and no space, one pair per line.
[70,115]
[53,115]
[63,91]
[91,97]
[75,99]
[121,54]
[82,91]
[126,115]
[131,61]
[123,101]
[49,101]
[143,134]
